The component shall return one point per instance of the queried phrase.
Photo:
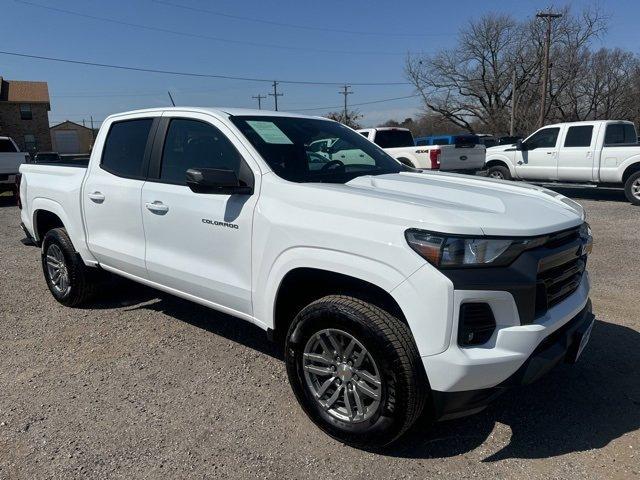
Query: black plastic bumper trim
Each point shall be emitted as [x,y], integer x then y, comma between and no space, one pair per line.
[561,345]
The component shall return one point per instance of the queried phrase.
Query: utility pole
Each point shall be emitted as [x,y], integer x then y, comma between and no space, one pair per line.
[549,17]
[513,104]
[93,132]
[259,98]
[275,94]
[345,91]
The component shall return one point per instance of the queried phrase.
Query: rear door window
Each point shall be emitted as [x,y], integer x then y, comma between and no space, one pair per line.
[620,133]
[579,136]
[124,148]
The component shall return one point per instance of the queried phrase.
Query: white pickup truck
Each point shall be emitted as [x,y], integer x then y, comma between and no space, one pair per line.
[399,143]
[604,152]
[396,293]
[10,160]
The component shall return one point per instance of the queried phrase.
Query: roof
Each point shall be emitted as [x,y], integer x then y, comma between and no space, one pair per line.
[23,91]
[69,123]
[586,122]
[216,111]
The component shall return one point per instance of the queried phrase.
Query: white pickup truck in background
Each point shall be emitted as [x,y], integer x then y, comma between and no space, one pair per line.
[399,143]
[10,160]
[603,152]
[394,294]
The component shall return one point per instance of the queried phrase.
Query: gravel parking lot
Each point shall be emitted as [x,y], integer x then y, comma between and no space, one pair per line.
[145,385]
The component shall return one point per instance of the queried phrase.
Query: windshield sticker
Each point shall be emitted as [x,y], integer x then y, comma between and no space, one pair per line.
[270,132]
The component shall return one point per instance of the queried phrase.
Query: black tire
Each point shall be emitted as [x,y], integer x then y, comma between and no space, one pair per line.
[404,388]
[629,188]
[81,279]
[499,172]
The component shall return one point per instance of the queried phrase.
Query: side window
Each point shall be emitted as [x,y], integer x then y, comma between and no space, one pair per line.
[620,133]
[25,111]
[195,144]
[545,138]
[123,152]
[6,145]
[365,134]
[579,136]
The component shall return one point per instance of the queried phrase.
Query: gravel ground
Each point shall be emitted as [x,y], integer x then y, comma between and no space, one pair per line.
[145,385]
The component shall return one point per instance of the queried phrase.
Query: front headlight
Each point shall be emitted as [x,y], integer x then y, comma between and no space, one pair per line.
[460,251]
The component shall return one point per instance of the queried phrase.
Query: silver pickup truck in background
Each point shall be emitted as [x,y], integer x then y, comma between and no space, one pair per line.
[399,143]
[10,160]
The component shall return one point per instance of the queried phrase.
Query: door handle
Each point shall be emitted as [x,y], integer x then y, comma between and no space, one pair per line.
[157,207]
[549,153]
[96,197]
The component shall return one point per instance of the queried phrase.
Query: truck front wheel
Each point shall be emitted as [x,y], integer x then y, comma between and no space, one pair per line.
[499,172]
[70,281]
[355,370]
[632,188]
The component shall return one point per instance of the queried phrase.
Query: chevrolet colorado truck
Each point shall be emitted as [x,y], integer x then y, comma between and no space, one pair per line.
[603,152]
[461,157]
[396,293]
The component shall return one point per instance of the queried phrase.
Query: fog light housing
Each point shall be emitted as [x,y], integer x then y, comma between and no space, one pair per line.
[476,324]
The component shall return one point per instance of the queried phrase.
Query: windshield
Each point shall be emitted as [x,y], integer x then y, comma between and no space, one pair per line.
[314,150]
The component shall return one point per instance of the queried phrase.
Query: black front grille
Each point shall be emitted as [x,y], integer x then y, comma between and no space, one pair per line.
[557,283]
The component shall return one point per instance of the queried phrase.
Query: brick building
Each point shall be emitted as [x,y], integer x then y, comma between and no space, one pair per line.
[24,114]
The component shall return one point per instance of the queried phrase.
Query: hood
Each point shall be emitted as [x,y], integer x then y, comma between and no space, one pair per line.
[461,204]
[502,148]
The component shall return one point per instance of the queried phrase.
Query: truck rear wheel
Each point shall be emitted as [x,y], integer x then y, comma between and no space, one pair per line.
[499,171]
[355,370]
[70,281]
[632,188]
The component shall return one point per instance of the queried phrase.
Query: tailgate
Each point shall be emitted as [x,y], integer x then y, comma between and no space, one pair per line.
[10,162]
[453,157]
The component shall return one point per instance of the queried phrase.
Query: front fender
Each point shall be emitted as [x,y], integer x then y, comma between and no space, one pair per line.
[425,297]
[368,270]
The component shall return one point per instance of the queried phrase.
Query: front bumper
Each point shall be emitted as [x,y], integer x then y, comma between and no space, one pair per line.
[562,345]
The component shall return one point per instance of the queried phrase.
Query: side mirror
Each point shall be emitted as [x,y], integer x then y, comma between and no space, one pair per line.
[216,181]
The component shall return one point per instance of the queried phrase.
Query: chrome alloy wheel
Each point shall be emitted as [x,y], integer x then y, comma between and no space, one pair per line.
[635,188]
[342,375]
[57,270]
[496,174]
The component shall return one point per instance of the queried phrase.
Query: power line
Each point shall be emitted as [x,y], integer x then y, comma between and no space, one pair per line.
[299,26]
[202,36]
[354,104]
[191,74]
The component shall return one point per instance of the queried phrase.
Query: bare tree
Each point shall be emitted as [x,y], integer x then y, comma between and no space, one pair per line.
[352,118]
[471,85]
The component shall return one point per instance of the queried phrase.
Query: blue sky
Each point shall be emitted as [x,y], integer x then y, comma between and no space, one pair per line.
[368,42]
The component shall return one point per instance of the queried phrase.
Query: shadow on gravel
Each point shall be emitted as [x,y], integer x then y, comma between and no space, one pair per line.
[7,201]
[134,296]
[597,194]
[575,408]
